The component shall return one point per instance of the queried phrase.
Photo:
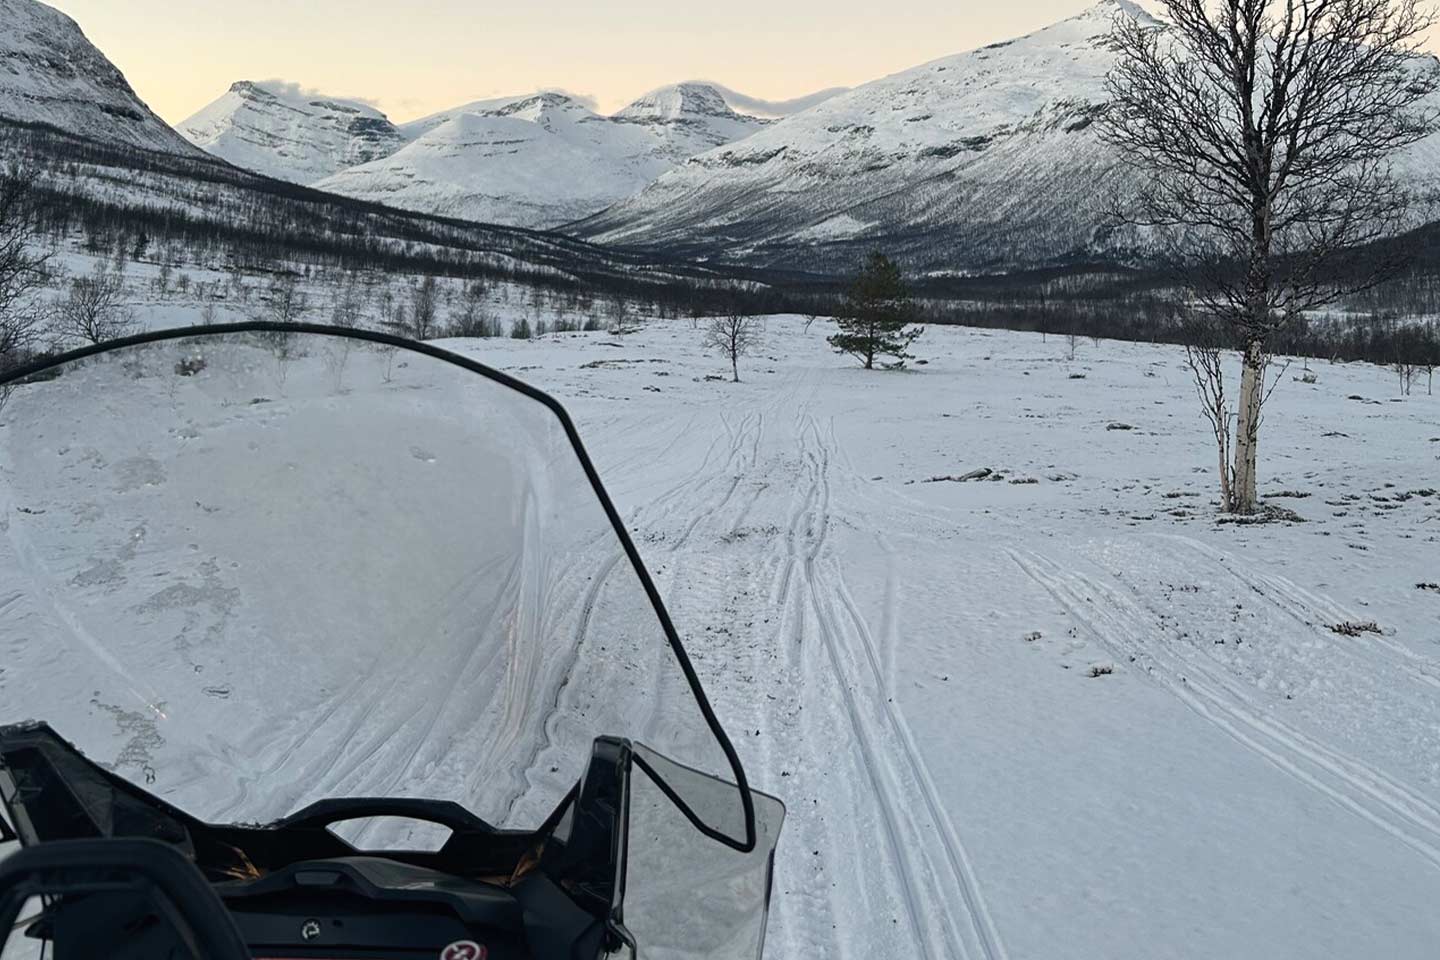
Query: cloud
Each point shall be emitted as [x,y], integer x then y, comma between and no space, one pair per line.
[288,88]
[589,101]
[758,107]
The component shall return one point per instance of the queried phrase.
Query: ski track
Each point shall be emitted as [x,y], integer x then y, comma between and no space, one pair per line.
[1118,624]
[898,773]
[553,712]
[750,468]
[1311,609]
[672,500]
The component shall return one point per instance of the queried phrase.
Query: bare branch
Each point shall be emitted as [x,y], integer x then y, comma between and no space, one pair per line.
[734,335]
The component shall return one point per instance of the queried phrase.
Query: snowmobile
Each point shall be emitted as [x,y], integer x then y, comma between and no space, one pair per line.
[323,643]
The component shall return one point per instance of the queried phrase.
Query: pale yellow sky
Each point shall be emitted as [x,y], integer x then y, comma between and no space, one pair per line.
[413,57]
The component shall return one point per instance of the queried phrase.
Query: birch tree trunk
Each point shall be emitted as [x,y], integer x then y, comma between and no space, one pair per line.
[1227,493]
[1247,429]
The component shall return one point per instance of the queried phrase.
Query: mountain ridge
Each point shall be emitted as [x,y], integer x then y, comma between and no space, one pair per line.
[884,162]
[543,160]
[289,134]
[982,161]
[51,74]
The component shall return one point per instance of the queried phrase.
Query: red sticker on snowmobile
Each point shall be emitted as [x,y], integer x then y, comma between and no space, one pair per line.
[464,950]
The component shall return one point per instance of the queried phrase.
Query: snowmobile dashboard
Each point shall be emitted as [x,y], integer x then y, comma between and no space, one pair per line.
[295,888]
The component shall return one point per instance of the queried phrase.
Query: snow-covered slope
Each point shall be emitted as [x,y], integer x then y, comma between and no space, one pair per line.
[543,160]
[283,133]
[50,73]
[416,129]
[688,118]
[997,138]
[774,109]
[983,160]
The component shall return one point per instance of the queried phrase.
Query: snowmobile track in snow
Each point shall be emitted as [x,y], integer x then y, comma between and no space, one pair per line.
[1120,625]
[897,768]
[1311,609]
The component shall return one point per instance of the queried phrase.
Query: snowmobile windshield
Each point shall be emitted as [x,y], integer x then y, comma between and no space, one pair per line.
[253,567]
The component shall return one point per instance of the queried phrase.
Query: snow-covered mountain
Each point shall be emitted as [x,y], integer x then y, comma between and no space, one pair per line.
[991,149]
[543,160]
[283,132]
[689,118]
[51,74]
[415,129]
[987,160]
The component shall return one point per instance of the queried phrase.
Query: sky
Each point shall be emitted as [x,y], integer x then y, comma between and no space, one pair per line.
[415,57]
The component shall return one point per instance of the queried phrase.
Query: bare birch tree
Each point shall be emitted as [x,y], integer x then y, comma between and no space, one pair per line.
[423,310]
[286,302]
[94,310]
[22,270]
[1261,134]
[348,308]
[734,335]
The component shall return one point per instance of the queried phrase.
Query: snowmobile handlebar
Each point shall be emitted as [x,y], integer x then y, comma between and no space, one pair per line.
[191,915]
[445,813]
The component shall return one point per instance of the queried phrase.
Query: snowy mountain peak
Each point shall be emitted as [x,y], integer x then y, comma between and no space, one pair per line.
[678,102]
[1089,25]
[292,95]
[288,133]
[545,108]
[971,157]
[984,160]
[51,74]
[545,159]
[1108,10]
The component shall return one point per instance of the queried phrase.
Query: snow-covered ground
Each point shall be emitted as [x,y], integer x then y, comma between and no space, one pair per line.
[1064,713]
[908,664]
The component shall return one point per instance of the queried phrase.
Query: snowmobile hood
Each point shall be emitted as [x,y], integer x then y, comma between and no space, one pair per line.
[252,567]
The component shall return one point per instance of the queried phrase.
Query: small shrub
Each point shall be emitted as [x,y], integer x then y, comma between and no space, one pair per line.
[1353,629]
[1101,670]
[1268,513]
[189,366]
[983,473]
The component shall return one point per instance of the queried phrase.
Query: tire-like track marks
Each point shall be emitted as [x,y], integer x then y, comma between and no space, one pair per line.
[889,756]
[1118,624]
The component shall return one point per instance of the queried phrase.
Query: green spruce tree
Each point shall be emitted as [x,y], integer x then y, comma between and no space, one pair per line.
[875,321]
